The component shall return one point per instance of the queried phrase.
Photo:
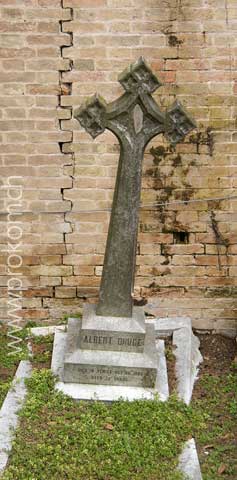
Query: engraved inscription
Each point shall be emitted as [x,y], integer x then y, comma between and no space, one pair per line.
[102,341]
[134,376]
[135,342]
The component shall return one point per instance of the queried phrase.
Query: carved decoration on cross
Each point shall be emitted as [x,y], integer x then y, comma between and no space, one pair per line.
[135,118]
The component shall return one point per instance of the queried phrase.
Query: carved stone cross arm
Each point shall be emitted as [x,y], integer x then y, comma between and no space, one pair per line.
[135,118]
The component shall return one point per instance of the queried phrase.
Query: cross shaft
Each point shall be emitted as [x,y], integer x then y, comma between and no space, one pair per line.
[135,118]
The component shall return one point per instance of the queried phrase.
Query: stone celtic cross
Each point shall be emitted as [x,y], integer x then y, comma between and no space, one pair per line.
[135,118]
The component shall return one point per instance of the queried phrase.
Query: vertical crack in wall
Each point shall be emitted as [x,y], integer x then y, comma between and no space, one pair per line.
[66,111]
[220,240]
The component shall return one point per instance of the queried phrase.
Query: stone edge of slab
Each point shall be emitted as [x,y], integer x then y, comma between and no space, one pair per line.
[9,411]
[44,331]
[188,461]
[187,353]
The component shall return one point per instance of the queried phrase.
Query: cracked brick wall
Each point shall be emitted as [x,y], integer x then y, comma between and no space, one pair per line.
[32,141]
[58,55]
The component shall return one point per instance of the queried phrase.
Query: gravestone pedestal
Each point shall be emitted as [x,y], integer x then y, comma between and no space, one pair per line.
[110,350]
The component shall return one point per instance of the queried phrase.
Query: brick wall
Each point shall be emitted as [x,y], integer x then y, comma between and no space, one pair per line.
[31,64]
[52,58]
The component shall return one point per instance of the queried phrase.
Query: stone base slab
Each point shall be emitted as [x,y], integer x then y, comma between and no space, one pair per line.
[112,333]
[106,367]
[187,353]
[109,393]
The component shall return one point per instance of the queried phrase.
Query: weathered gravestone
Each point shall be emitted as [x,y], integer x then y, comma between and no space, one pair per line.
[112,344]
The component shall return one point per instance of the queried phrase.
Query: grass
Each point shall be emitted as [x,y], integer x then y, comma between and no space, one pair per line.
[42,348]
[9,360]
[218,442]
[62,439]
